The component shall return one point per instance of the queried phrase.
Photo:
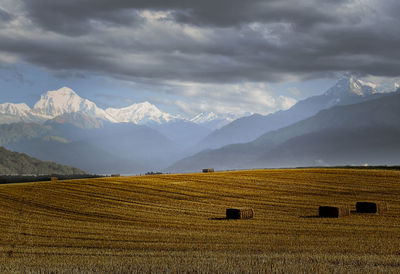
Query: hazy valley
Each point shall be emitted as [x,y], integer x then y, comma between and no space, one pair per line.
[319,130]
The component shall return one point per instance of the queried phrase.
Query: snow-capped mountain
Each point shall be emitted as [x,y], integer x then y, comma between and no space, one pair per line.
[13,113]
[141,113]
[64,100]
[213,121]
[15,109]
[350,86]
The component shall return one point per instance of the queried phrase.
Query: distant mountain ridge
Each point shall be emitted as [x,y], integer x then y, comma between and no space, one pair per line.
[65,101]
[212,120]
[347,90]
[366,132]
[142,138]
[12,113]
[142,113]
[122,148]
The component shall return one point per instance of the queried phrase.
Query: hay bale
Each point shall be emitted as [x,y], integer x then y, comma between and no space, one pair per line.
[53,178]
[333,211]
[239,213]
[371,207]
[207,170]
[115,175]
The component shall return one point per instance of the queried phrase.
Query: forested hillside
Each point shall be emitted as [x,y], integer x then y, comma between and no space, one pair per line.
[14,163]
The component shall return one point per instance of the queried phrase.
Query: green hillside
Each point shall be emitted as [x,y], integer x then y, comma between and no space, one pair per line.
[14,163]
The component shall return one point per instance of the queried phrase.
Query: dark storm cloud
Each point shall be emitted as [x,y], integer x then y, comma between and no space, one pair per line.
[76,17]
[73,17]
[234,13]
[210,41]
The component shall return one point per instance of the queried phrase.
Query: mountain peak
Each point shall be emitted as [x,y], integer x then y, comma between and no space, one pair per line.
[64,91]
[144,105]
[58,102]
[351,86]
[64,100]
[140,113]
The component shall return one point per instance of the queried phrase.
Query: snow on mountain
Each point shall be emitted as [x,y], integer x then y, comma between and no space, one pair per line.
[213,121]
[388,86]
[141,113]
[15,109]
[367,84]
[350,86]
[64,100]
[204,117]
[56,103]
[14,113]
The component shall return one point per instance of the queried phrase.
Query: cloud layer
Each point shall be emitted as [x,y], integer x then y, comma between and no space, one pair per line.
[204,42]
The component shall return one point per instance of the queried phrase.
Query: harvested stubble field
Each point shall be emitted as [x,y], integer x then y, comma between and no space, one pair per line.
[175,223]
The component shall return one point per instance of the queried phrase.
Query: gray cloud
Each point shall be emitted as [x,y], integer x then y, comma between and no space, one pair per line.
[79,17]
[222,41]
[5,16]
[222,13]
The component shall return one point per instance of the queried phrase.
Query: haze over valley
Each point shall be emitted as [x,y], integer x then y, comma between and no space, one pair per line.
[351,123]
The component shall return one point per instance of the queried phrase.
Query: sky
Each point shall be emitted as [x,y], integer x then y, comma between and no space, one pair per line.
[186,57]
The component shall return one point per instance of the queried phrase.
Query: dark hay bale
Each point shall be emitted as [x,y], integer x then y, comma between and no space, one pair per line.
[371,207]
[207,170]
[239,213]
[333,211]
[53,178]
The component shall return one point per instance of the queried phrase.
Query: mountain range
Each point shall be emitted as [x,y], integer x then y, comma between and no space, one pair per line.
[71,130]
[353,134]
[347,90]
[65,101]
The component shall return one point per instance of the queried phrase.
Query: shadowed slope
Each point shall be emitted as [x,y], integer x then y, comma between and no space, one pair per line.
[355,125]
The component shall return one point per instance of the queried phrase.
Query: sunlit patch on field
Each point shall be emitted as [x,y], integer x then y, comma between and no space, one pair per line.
[176,223]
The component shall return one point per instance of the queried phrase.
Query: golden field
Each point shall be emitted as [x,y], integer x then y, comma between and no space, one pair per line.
[175,223]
